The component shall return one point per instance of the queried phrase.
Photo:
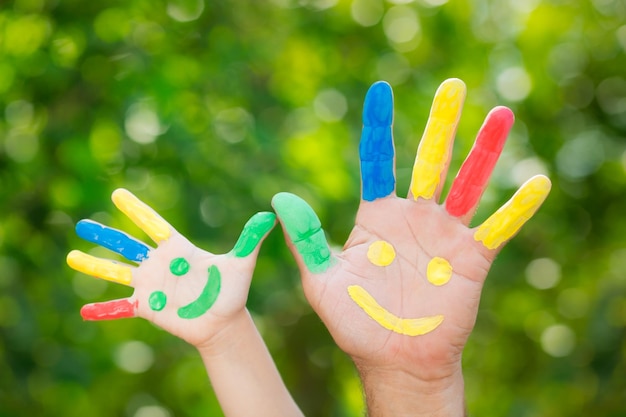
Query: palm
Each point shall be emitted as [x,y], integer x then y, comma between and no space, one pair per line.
[154,276]
[404,292]
[418,231]
[187,291]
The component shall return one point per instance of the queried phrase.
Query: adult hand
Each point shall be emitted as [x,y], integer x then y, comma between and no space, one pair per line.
[402,297]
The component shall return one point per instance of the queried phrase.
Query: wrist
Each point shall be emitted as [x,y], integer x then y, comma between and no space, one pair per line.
[230,336]
[396,393]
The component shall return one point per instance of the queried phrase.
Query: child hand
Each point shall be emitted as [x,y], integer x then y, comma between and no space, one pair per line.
[402,297]
[187,291]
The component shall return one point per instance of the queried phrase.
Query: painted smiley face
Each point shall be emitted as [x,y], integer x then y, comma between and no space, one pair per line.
[382,253]
[197,307]
[305,232]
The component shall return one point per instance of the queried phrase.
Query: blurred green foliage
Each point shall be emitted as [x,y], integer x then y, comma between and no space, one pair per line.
[206,109]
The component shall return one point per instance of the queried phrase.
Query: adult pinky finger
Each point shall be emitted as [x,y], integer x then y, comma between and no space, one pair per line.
[506,222]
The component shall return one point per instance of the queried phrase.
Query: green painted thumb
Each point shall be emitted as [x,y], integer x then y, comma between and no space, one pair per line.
[253,232]
[304,230]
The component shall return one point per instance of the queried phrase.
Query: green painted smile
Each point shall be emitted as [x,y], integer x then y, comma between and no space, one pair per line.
[206,299]
[200,305]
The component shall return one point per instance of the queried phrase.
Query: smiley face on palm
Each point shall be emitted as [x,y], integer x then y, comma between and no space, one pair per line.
[404,292]
[179,287]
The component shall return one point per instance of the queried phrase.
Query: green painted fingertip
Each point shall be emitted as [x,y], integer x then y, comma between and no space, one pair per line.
[305,231]
[298,217]
[253,232]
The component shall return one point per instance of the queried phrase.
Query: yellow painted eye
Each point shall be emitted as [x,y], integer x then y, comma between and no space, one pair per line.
[381,253]
[439,271]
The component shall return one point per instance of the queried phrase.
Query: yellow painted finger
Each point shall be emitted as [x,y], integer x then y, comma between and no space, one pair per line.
[504,223]
[142,215]
[100,268]
[433,153]
[409,327]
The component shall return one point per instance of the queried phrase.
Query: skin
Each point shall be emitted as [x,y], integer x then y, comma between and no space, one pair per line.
[402,374]
[196,295]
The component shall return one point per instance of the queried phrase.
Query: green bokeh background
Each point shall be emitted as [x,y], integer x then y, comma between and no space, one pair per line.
[206,109]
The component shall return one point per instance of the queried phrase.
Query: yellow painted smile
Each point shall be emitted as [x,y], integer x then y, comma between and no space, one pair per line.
[382,253]
[409,327]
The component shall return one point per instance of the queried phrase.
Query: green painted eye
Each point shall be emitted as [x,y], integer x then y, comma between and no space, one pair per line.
[179,266]
[196,308]
[158,299]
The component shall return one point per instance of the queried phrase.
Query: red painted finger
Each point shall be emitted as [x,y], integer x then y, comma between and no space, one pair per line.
[471,181]
[109,310]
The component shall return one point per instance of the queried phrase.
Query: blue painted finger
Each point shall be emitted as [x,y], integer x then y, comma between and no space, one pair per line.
[376,148]
[112,239]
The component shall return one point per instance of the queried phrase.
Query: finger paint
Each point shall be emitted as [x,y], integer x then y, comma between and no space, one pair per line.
[179,266]
[304,230]
[409,327]
[109,310]
[253,232]
[381,253]
[474,174]
[376,147]
[142,215]
[439,271]
[112,239]
[206,299]
[433,153]
[504,223]
[100,268]
[157,300]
